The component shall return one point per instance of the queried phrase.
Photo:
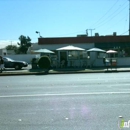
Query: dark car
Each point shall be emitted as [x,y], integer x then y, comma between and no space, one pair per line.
[10,63]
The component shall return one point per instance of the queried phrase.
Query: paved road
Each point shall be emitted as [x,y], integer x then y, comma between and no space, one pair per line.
[64,102]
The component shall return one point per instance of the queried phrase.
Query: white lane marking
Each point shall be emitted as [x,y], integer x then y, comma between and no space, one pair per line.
[124,89]
[63,94]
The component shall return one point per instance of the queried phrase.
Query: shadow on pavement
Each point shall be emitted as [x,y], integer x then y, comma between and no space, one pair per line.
[39,71]
[11,69]
[67,69]
[36,70]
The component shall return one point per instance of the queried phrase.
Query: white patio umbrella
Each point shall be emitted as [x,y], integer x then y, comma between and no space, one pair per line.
[96,50]
[44,51]
[111,52]
[70,48]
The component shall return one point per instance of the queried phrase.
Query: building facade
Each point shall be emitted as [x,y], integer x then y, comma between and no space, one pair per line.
[118,43]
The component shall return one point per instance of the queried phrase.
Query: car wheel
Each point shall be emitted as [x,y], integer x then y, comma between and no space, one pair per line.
[17,67]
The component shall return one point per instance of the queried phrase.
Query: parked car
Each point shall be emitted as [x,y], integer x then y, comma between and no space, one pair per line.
[10,63]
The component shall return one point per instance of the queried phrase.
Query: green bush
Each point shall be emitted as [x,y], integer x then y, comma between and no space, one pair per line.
[44,62]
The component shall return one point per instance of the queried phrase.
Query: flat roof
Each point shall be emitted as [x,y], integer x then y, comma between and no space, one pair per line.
[94,39]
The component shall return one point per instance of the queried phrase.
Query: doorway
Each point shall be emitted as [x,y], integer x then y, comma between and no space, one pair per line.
[63,56]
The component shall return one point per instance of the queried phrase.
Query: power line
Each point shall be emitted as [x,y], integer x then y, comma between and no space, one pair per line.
[72,33]
[111,18]
[96,22]
[9,39]
[125,32]
[105,14]
[89,30]
[99,19]
[116,23]
[125,21]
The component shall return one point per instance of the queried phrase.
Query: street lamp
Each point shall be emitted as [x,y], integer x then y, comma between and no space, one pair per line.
[39,34]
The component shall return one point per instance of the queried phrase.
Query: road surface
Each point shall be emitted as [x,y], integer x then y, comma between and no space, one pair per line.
[64,101]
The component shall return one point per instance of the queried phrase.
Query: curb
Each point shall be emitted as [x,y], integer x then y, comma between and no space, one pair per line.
[60,72]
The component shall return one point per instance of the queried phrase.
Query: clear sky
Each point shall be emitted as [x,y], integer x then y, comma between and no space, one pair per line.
[61,18]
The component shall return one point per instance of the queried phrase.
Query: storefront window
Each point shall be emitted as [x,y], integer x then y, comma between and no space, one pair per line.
[127,52]
[54,56]
[101,55]
[73,55]
[83,54]
[77,54]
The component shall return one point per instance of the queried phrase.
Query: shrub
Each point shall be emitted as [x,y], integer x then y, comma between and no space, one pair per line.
[44,62]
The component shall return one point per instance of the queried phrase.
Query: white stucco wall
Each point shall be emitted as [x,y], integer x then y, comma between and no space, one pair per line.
[2,51]
[99,62]
[125,61]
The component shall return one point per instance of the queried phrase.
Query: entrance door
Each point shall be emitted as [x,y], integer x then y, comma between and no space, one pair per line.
[63,56]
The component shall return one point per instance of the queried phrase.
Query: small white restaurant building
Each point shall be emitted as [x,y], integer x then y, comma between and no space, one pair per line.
[82,58]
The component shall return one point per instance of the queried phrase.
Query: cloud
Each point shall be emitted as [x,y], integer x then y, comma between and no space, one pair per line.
[4,43]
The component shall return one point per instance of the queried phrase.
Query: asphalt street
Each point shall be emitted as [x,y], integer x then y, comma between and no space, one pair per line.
[64,101]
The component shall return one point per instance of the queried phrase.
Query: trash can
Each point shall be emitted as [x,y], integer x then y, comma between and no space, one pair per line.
[114,62]
[34,63]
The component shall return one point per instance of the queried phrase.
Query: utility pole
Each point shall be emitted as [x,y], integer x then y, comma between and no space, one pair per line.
[129,17]
[90,31]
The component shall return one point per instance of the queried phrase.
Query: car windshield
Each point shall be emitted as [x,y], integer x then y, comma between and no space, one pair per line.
[7,59]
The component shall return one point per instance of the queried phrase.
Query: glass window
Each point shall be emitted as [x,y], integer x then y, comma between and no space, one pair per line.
[83,54]
[73,55]
[101,55]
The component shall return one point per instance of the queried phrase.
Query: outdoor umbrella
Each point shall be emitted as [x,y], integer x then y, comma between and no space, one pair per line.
[44,51]
[111,51]
[96,50]
[71,48]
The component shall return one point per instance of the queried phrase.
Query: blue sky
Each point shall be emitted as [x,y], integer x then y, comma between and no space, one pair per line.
[61,18]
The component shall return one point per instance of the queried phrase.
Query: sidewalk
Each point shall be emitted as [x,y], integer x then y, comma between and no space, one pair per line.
[9,72]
